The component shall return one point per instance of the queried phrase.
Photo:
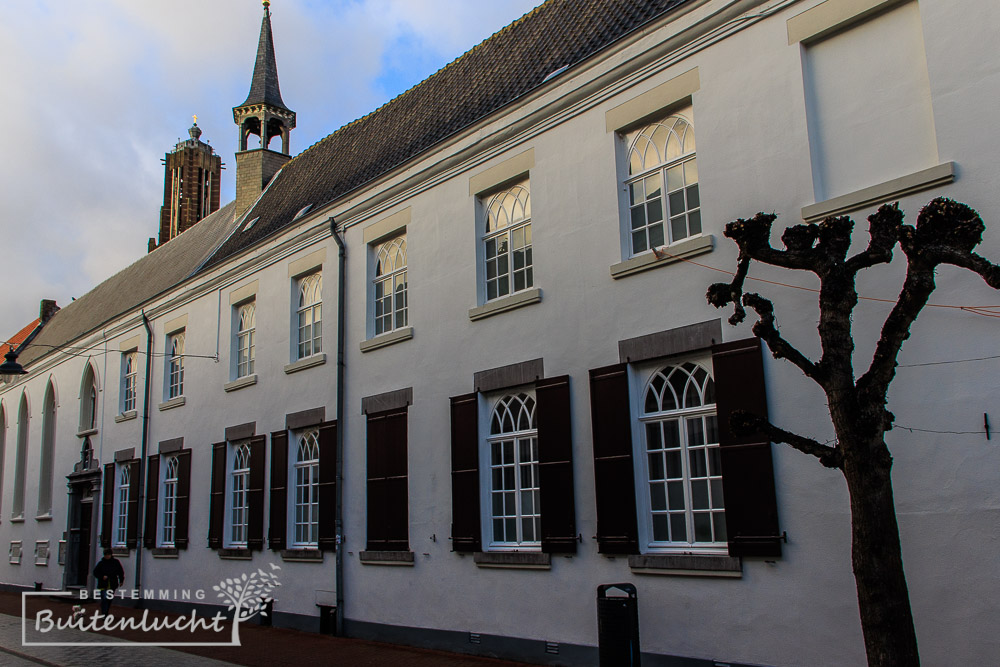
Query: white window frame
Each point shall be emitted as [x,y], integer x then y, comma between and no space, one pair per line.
[506,222]
[169,479]
[521,432]
[175,364]
[391,277]
[641,377]
[303,486]
[130,376]
[237,523]
[244,338]
[119,518]
[309,315]
[647,161]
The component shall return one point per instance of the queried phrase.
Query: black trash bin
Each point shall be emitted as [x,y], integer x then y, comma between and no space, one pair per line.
[618,625]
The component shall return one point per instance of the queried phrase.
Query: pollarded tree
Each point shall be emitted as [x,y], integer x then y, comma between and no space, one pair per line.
[946,232]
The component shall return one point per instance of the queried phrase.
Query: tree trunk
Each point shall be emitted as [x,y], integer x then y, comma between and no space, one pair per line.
[883,599]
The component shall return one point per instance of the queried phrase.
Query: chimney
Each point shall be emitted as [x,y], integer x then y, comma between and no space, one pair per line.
[46,310]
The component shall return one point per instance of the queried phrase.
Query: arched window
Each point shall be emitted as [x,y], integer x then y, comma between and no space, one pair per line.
[306,471]
[175,366]
[88,400]
[169,523]
[662,183]
[129,375]
[48,451]
[3,443]
[310,315]
[390,286]
[121,508]
[21,458]
[507,242]
[683,489]
[239,506]
[246,326]
[513,463]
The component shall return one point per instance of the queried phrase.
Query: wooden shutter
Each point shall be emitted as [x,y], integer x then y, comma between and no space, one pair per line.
[466,533]
[107,516]
[255,493]
[183,498]
[614,475]
[152,493]
[747,472]
[278,525]
[555,465]
[328,486]
[217,502]
[132,518]
[387,492]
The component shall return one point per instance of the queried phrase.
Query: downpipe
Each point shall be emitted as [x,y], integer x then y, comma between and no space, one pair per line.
[141,506]
[339,516]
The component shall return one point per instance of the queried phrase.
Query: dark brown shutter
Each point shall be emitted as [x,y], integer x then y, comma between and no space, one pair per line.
[152,493]
[388,510]
[217,504]
[555,465]
[255,493]
[132,518]
[183,498]
[278,525]
[327,487]
[747,472]
[108,503]
[614,475]
[466,533]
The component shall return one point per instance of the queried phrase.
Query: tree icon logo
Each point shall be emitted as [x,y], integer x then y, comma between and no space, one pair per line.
[248,596]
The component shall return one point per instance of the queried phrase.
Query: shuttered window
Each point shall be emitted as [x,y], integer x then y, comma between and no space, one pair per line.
[388,510]
[328,486]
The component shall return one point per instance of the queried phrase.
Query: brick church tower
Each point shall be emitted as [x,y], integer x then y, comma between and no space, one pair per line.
[190,186]
[264,115]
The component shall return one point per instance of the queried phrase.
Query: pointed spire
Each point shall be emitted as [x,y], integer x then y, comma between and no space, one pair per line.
[264,86]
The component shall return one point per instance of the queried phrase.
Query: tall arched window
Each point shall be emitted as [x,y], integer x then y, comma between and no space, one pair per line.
[3,443]
[683,489]
[48,451]
[239,507]
[306,471]
[507,242]
[663,183]
[121,509]
[130,375]
[390,286]
[310,315]
[21,458]
[170,470]
[175,366]
[88,400]
[245,332]
[513,463]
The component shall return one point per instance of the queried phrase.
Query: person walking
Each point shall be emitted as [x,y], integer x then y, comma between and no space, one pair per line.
[109,574]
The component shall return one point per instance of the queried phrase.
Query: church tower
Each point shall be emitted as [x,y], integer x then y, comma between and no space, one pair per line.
[262,114]
[190,186]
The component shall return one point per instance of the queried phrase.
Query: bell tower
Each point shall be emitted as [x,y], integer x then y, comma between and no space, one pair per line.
[263,115]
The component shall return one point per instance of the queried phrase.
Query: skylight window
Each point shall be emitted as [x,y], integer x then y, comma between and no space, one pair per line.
[302,211]
[250,224]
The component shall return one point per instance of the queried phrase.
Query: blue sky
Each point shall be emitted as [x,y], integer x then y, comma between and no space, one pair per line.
[94,93]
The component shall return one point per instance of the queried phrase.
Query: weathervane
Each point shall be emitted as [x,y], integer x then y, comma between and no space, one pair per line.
[195,118]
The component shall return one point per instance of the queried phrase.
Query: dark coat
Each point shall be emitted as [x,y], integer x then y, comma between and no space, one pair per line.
[112,569]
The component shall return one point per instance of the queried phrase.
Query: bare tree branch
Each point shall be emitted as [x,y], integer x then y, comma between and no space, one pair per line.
[767,330]
[883,228]
[745,423]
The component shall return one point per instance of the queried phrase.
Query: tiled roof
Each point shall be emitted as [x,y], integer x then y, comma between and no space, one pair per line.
[18,338]
[153,274]
[499,70]
[264,85]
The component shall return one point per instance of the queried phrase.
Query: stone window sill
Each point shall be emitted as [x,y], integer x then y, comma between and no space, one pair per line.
[690,565]
[306,362]
[386,558]
[235,554]
[84,433]
[671,254]
[239,383]
[125,552]
[503,304]
[165,552]
[44,517]
[174,402]
[386,339]
[302,555]
[126,416]
[515,560]
[17,519]
[918,181]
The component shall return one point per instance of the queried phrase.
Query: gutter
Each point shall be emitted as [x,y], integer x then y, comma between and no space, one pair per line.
[339,520]
[141,507]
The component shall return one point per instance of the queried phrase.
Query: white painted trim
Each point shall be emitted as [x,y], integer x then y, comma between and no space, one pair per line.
[828,17]
[653,102]
[386,227]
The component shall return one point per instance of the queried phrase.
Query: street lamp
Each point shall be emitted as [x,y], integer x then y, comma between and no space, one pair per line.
[10,369]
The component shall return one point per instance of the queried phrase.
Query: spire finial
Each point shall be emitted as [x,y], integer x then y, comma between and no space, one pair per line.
[195,117]
[267,5]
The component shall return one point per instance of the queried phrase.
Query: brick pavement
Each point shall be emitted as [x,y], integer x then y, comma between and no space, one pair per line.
[260,646]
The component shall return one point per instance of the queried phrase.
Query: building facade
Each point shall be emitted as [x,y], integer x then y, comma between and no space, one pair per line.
[534,392]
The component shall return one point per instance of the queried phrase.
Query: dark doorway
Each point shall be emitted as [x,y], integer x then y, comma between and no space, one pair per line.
[84,489]
[80,544]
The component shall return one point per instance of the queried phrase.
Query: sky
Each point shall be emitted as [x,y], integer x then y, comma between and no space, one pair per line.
[93,94]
